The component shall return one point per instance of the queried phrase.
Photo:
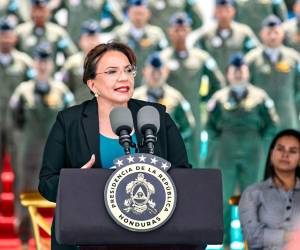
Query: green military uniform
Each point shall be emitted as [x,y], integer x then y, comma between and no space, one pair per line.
[14,69]
[176,105]
[237,129]
[162,10]
[221,44]
[153,39]
[19,9]
[196,75]
[280,79]
[29,36]
[252,12]
[34,113]
[108,12]
[73,72]
[292,33]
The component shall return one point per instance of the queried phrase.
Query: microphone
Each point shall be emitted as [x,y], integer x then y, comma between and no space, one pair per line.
[122,124]
[148,125]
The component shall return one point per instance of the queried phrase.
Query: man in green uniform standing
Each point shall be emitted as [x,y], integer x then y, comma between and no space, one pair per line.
[162,10]
[253,12]
[72,70]
[275,68]
[224,36]
[34,106]
[241,119]
[108,13]
[40,29]
[192,71]
[14,68]
[142,37]
[156,89]
[292,28]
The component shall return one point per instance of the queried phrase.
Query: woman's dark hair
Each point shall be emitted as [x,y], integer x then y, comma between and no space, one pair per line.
[94,55]
[270,172]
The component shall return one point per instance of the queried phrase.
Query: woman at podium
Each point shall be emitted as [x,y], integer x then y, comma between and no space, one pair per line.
[83,132]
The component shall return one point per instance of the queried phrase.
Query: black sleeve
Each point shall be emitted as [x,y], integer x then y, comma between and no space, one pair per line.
[54,159]
[176,152]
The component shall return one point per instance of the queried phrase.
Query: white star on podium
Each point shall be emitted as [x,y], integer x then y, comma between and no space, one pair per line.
[153,160]
[130,159]
[164,166]
[142,158]
[119,163]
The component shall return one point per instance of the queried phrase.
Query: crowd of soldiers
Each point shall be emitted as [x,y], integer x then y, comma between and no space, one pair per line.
[234,80]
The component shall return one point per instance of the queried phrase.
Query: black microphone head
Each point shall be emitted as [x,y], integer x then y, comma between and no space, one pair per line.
[148,118]
[121,119]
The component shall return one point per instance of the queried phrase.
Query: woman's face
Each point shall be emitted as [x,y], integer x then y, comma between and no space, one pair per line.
[114,81]
[285,156]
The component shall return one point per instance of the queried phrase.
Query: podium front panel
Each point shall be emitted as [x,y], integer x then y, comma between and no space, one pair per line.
[82,219]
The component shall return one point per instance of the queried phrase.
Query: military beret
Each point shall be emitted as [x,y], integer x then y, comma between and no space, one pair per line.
[39,2]
[237,60]
[90,27]
[137,3]
[155,61]
[6,24]
[224,2]
[271,21]
[43,51]
[180,18]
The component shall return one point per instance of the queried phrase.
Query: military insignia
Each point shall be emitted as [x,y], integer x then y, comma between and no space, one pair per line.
[140,195]
[52,100]
[283,66]
[266,69]
[216,42]
[173,65]
[145,42]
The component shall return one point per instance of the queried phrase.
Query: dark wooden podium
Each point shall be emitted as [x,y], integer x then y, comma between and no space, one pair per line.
[81,217]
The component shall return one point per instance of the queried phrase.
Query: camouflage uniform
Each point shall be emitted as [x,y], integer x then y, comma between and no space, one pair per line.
[30,36]
[162,10]
[252,12]
[152,40]
[280,80]
[176,105]
[238,130]
[292,32]
[73,72]
[34,114]
[108,12]
[222,44]
[195,74]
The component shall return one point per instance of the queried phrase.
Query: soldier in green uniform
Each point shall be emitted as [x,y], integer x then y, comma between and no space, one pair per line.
[142,37]
[17,9]
[275,68]
[14,68]
[156,89]
[162,10]
[192,71]
[253,12]
[224,36]
[34,106]
[107,12]
[73,68]
[241,119]
[40,29]
[292,28]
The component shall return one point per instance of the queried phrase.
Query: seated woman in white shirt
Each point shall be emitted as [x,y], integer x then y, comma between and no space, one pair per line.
[269,209]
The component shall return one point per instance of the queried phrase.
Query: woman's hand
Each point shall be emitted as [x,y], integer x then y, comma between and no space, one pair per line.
[90,163]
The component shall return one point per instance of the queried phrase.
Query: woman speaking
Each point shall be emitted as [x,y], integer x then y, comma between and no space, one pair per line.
[81,134]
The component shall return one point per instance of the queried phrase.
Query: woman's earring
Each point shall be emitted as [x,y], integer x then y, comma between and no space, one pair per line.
[96,94]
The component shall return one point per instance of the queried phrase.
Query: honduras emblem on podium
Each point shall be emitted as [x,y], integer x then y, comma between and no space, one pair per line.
[140,195]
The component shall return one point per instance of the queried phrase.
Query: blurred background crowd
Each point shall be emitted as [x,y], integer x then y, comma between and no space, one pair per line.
[227,71]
